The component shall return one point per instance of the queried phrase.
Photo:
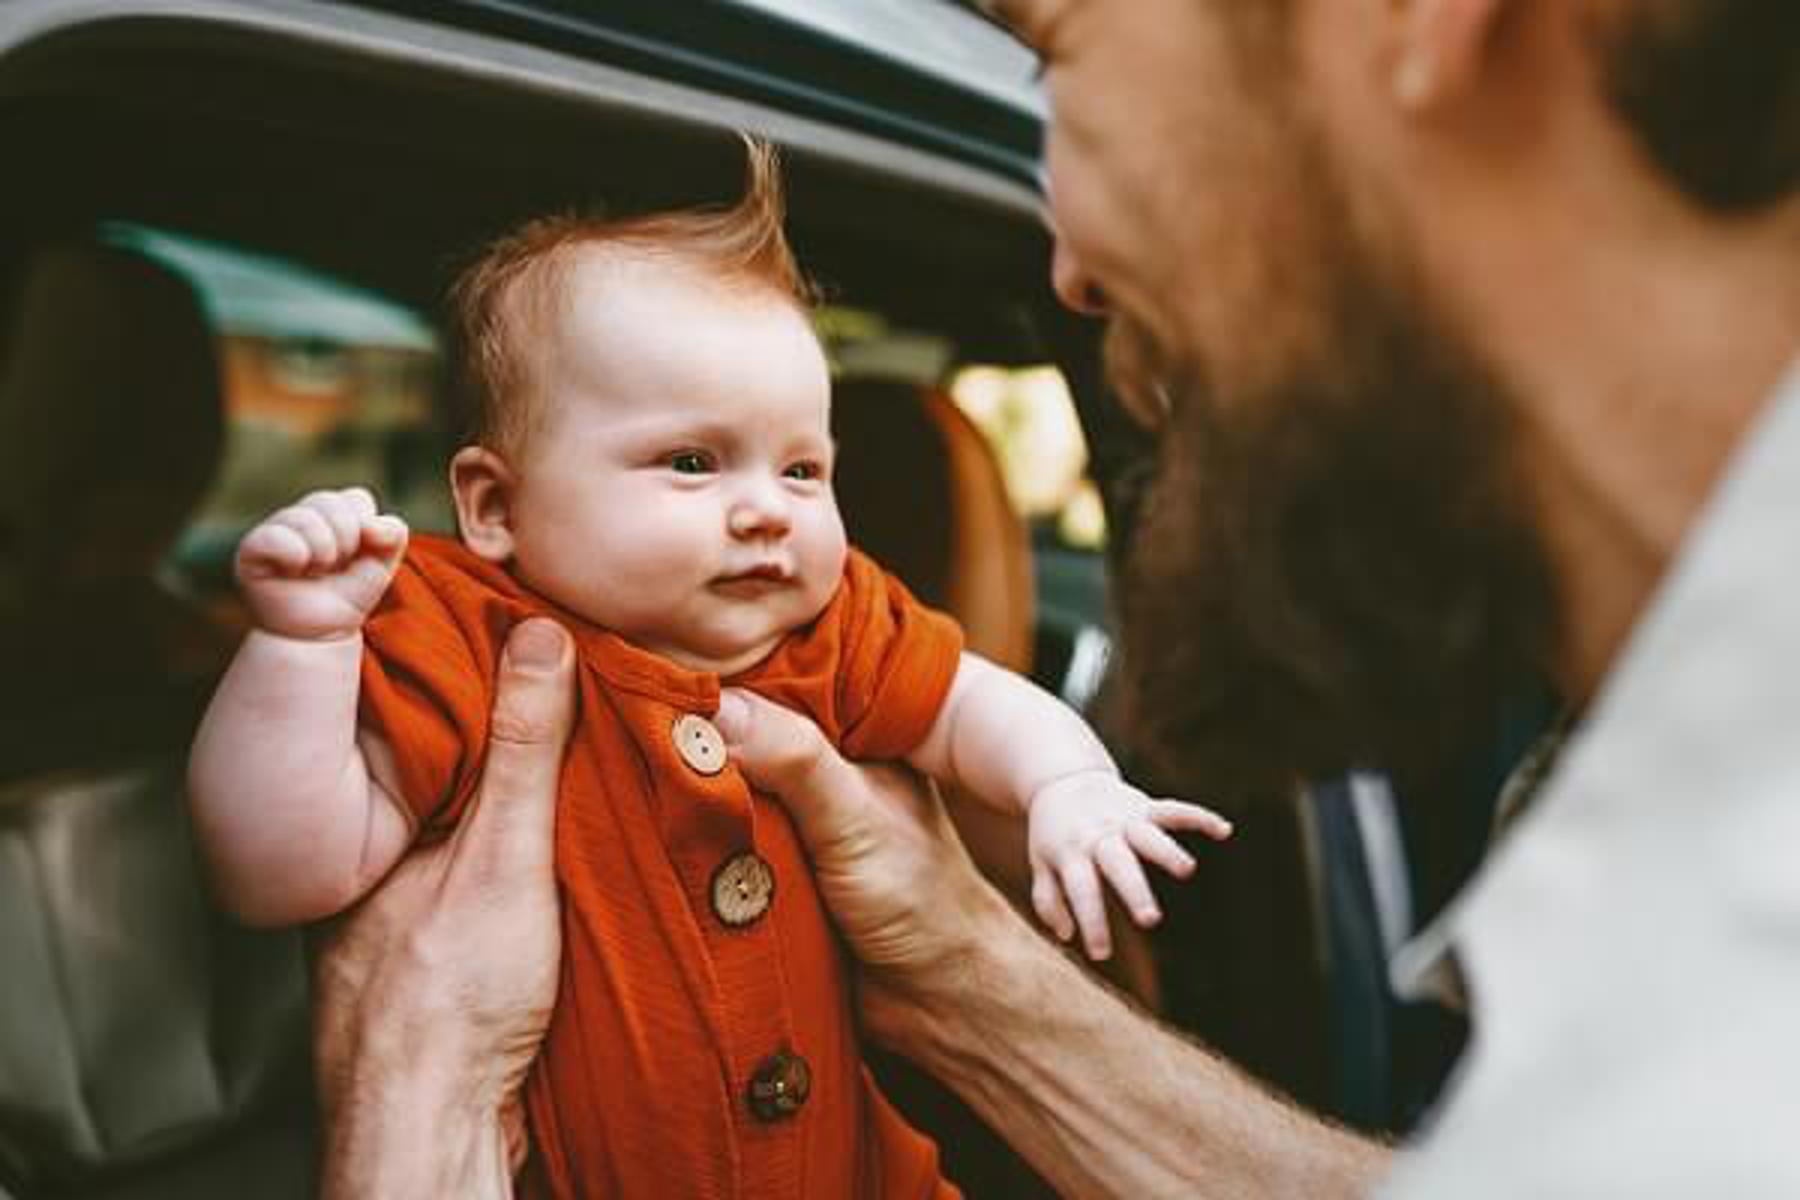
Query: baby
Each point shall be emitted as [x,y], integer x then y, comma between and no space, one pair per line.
[651,466]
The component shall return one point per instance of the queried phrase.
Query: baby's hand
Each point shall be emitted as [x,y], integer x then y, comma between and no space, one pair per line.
[1091,824]
[316,569]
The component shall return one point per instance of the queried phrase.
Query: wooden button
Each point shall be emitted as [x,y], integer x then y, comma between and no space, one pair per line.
[742,889]
[780,1086]
[700,745]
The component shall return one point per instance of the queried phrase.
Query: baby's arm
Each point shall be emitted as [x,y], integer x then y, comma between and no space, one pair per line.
[1020,749]
[289,804]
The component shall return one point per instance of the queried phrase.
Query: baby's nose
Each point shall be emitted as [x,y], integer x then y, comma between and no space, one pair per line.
[758,515]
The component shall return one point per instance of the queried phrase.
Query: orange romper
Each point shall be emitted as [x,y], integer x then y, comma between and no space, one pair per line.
[703,1045]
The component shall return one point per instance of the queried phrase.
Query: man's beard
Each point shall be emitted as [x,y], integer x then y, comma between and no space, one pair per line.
[1337,569]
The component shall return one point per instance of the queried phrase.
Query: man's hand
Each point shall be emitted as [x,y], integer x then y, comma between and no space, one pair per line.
[431,996]
[1098,1099]
[888,861]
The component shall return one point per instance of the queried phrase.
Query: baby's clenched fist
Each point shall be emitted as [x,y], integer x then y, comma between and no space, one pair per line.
[316,569]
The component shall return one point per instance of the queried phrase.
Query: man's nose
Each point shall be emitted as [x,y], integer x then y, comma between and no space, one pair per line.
[1073,286]
[759,511]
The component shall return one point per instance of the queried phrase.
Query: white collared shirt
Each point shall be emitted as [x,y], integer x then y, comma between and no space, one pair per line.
[1631,952]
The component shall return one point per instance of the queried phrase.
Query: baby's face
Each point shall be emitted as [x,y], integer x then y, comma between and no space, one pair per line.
[676,486]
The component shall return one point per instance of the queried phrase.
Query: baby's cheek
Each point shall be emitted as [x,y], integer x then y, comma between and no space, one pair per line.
[835,546]
[827,577]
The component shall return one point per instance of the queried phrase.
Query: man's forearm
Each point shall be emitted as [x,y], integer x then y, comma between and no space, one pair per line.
[393,1138]
[1100,1099]
[431,996]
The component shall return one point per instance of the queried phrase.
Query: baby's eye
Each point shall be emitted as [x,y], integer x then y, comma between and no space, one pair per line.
[690,462]
[804,470]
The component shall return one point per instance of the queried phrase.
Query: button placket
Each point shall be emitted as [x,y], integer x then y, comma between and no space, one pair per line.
[711,831]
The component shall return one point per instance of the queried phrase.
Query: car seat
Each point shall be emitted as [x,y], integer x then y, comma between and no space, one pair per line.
[148,1046]
[922,493]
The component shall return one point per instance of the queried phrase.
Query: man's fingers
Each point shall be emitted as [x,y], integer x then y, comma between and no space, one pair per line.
[783,753]
[511,819]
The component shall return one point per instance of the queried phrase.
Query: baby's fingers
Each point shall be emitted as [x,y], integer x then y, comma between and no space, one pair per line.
[1047,900]
[1082,888]
[1120,866]
[386,535]
[365,579]
[1178,814]
[272,549]
[315,530]
[1153,845]
[343,512]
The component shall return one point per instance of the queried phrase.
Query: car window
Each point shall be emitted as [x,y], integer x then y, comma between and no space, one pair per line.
[329,385]
[325,385]
[1026,413]
[1029,418]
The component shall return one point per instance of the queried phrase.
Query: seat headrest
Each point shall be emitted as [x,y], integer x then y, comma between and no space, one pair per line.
[921,491]
[893,482]
[111,412]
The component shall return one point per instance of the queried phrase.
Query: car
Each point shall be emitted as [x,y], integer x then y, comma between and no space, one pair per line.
[228,226]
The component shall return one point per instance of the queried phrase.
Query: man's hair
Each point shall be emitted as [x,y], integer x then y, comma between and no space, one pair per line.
[1711,90]
[516,283]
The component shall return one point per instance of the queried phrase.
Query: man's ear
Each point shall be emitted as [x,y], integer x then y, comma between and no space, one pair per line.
[485,489]
[1440,48]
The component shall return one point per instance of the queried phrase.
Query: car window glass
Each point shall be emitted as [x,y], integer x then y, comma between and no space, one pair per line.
[1026,414]
[325,384]
[1029,418]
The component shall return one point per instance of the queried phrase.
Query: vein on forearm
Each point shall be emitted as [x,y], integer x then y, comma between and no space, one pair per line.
[1105,1102]
[395,1134]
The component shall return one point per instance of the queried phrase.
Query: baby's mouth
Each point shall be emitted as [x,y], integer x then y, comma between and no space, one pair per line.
[760,578]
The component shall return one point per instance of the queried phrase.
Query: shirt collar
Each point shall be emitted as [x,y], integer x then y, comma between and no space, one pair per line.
[1698,661]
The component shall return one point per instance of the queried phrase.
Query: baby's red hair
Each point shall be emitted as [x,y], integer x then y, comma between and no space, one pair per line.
[516,279]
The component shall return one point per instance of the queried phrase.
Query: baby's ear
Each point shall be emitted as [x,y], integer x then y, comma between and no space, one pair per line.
[483,486]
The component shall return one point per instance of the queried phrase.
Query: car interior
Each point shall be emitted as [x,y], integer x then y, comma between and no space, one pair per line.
[223,253]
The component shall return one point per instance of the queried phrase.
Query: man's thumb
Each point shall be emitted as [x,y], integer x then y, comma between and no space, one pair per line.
[511,816]
[782,753]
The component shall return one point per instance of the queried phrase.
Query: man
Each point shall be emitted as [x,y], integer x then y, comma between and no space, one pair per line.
[1477,315]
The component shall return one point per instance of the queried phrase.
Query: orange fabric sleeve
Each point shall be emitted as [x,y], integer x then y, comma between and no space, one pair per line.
[899,659]
[427,686]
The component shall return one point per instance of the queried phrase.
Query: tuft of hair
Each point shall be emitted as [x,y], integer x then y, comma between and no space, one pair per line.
[515,283]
